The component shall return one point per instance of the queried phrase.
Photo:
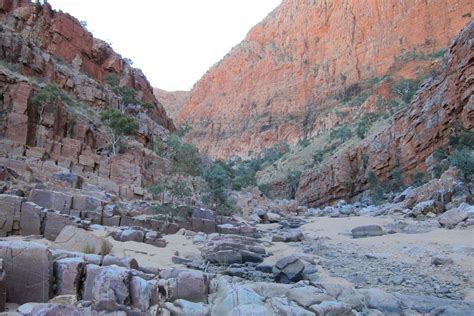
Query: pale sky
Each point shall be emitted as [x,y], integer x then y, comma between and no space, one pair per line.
[174,42]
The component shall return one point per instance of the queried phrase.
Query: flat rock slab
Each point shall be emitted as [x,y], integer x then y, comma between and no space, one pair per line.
[29,271]
[367,231]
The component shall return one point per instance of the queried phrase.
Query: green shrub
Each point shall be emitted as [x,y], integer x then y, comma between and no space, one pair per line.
[342,133]
[376,189]
[50,93]
[463,160]
[465,140]
[304,142]
[405,89]
[119,124]
[218,179]
[293,180]
[185,157]
[418,179]
[318,156]
[266,189]
[395,180]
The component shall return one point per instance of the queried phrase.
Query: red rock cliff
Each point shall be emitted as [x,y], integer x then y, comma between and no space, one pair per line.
[172,101]
[32,35]
[440,109]
[278,84]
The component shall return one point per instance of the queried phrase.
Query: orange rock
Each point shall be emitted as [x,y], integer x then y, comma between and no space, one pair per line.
[414,133]
[278,84]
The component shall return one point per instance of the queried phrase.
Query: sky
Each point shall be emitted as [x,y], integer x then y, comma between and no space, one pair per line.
[174,42]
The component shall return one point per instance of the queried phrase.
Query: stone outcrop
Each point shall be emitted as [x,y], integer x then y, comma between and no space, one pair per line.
[281,83]
[439,110]
[62,143]
[172,101]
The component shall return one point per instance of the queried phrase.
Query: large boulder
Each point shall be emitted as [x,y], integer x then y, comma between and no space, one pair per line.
[68,273]
[10,207]
[107,287]
[367,231]
[288,269]
[29,271]
[188,285]
[383,301]
[456,215]
[203,220]
[57,201]
[30,219]
[77,239]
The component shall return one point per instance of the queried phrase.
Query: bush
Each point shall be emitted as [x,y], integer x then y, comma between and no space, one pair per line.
[126,94]
[376,190]
[405,89]
[342,133]
[465,140]
[395,180]
[185,157]
[463,160]
[50,93]
[119,124]
[418,179]
[218,179]
[304,142]
[266,189]
[293,179]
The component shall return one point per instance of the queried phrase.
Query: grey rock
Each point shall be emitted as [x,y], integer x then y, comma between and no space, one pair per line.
[288,269]
[382,301]
[456,215]
[367,231]
[331,308]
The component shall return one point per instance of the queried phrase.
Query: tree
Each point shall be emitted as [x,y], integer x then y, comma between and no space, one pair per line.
[185,157]
[119,124]
[158,188]
[49,94]
[179,190]
[218,180]
[343,133]
[375,188]
[126,94]
[293,178]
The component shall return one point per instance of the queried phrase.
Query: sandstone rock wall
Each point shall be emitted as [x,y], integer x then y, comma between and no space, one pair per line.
[439,110]
[172,101]
[64,145]
[278,85]
[54,47]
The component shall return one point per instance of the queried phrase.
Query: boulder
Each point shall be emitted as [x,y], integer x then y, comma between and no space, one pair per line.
[57,201]
[308,295]
[331,308]
[30,219]
[189,285]
[55,309]
[125,262]
[10,207]
[203,220]
[77,239]
[230,296]
[143,293]
[29,271]
[185,308]
[288,269]
[383,301]
[54,222]
[68,274]
[110,288]
[367,231]
[292,235]
[456,215]
[425,207]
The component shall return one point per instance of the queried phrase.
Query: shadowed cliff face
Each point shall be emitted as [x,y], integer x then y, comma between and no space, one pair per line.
[441,108]
[280,84]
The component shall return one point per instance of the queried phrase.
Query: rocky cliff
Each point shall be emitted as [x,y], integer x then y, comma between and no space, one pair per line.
[443,107]
[60,140]
[172,101]
[284,82]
